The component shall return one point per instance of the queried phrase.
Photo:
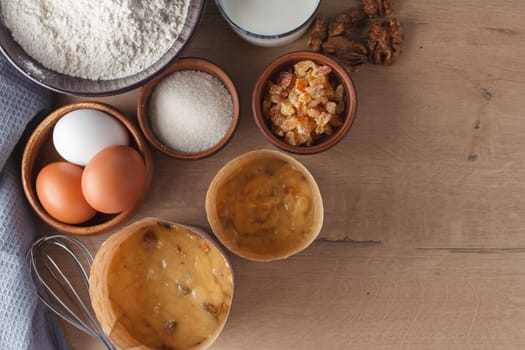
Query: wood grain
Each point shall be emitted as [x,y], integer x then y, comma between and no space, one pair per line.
[426,194]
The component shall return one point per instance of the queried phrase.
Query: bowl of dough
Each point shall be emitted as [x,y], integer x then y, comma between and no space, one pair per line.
[98,48]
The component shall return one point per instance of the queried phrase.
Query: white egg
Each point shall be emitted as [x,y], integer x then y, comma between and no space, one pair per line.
[82,133]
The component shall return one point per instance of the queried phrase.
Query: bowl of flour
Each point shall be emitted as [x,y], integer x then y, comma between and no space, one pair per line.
[96,48]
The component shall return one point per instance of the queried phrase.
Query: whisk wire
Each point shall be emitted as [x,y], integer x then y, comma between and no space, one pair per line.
[41,259]
[77,298]
[59,307]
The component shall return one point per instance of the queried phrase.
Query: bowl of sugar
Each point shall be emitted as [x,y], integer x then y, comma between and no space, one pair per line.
[271,22]
[78,48]
[190,111]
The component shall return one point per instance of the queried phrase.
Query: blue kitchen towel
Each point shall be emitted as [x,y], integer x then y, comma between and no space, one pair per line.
[25,323]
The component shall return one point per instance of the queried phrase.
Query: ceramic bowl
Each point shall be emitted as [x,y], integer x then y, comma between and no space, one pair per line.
[286,62]
[186,300]
[263,203]
[186,64]
[39,151]
[87,87]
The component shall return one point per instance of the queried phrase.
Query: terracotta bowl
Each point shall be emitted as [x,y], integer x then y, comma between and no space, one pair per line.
[195,64]
[286,62]
[39,151]
[273,242]
[183,284]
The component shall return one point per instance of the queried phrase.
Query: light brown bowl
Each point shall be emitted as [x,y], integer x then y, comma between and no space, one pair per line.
[285,62]
[196,64]
[39,151]
[266,248]
[110,310]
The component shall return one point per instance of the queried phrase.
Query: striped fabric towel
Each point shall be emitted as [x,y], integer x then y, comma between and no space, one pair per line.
[25,323]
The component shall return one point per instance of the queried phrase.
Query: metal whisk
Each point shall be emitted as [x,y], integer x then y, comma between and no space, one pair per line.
[59,292]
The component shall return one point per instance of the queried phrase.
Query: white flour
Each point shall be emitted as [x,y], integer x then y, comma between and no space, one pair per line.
[95,39]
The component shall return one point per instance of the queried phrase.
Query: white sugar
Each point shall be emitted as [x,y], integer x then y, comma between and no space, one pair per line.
[190,111]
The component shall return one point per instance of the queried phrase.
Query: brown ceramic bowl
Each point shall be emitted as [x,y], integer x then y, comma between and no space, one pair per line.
[194,64]
[176,302]
[39,151]
[247,224]
[286,62]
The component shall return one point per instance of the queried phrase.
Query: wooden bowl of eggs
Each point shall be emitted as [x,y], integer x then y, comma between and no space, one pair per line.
[86,168]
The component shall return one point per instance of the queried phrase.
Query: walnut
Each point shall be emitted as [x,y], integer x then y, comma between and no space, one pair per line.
[318,34]
[354,16]
[339,45]
[352,54]
[346,23]
[378,8]
[397,32]
[384,41]
[342,37]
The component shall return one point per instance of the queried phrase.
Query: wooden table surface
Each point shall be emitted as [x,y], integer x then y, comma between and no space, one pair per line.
[425,195]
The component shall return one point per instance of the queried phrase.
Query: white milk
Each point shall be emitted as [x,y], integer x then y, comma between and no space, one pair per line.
[269,17]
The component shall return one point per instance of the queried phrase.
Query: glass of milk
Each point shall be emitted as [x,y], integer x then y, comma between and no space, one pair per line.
[269,22]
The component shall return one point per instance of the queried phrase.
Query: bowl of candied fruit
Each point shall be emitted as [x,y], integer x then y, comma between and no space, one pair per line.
[304,102]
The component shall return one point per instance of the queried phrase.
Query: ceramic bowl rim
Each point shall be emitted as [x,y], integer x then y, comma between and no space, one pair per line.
[286,60]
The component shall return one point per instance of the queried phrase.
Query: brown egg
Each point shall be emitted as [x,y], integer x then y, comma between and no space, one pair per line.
[114,179]
[58,187]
